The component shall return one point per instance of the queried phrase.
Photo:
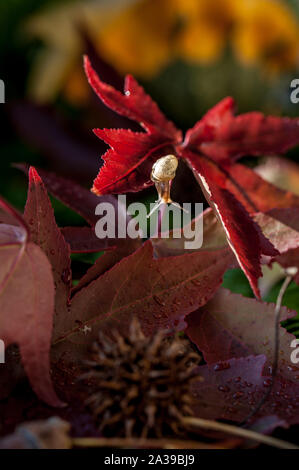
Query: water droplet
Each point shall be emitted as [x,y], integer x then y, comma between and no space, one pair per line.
[222,366]
[223,388]
[238,395]
[267,382]
[157,315]
[159,301]
[65,276]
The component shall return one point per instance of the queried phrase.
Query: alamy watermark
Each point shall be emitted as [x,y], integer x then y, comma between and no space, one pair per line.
[294,96]
[295,353]
[184,222]
[2,92]
[2,352]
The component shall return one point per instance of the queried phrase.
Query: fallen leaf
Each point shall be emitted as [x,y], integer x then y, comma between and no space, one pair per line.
[44,232]
[232,389]
[27,306]
[160,292]
[232,326]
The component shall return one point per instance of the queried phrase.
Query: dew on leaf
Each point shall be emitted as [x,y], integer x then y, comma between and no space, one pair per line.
[222,366]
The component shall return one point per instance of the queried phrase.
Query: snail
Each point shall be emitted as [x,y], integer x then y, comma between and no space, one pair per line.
[163,172]
[164,169]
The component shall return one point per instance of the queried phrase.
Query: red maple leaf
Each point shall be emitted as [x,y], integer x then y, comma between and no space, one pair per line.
[210,148]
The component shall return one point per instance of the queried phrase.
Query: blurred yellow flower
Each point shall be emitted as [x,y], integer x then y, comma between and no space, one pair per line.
[139,39]
[58,67]
[267,33]
[143,36]
[150,33]
[206,28]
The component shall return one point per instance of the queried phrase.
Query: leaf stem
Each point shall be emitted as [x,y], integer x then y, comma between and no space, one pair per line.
[149,443]
[237,431]
[188,421]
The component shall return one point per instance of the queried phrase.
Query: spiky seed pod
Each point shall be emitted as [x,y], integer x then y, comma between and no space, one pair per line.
[141,384]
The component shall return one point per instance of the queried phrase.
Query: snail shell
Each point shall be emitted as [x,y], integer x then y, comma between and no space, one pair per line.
[164,169]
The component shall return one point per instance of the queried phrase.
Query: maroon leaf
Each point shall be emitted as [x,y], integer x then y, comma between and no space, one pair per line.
[282,172]
[10,216]
[223,136]
[27,306]
[44,232]
[105,262]
[213,237]
[84,240]
[281,226]
[243,234]
[234,326]
[267,424]
[77,198]
[219,394]
[70,193]
[255,193]
[232,389]
[159,292]
[290,259]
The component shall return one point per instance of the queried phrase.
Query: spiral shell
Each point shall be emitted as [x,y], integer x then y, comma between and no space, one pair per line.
[164,169]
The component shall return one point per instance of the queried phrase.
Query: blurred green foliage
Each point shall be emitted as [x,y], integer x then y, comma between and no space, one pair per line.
[17,52]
